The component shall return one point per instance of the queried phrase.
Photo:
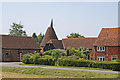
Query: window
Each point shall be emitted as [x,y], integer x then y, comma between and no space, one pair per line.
[7,54]
[100,58]
[114,57]
[100,48]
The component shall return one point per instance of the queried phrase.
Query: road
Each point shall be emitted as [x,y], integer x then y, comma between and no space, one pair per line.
[16,64]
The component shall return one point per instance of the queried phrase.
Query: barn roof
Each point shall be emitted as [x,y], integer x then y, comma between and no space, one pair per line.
[108,37]
[50,34]
[18,42]
[57,43]
[78,42]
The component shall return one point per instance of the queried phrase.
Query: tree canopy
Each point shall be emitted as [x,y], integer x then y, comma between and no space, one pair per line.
[38,38]
[75,35]
[17,30]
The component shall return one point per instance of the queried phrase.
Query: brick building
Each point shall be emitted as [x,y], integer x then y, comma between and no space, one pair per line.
[50,41]
[107,46]
[78,42]
[13,47]
[50,34]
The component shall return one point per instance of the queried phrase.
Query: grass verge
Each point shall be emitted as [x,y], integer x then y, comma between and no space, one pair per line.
[67,67]
[52,73]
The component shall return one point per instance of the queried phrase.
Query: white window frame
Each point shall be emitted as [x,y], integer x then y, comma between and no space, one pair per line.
[99,57]
[99,47]
[113,57]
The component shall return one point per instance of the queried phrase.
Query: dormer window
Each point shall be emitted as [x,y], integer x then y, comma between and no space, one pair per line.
[100,48]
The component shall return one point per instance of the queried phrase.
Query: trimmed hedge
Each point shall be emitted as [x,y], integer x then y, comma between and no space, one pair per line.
[87,63]
[35,59]
[46,61]
[69,61]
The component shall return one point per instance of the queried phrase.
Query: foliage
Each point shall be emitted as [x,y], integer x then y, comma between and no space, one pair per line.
[16,30]
[34,35]
[56,58]
[56,53]
[46,61]
[84,52]
[49,52]
[75,35]
[87,63]
[38,38]
[26,59]
[67,52]
[35,59]
[81,52]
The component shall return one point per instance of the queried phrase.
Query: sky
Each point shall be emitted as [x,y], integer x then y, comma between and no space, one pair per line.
[86,18]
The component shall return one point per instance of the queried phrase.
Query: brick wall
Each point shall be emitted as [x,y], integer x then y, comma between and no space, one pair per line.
[112,51]
[14,54]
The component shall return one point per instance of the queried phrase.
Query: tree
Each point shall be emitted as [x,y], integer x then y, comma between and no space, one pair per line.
[34,35]
[75,35]
[38,38]
[84,52]
[16,29]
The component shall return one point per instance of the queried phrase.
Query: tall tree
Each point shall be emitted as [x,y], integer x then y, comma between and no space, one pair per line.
[75,35]
[34,35]
[38,38]
[16,29]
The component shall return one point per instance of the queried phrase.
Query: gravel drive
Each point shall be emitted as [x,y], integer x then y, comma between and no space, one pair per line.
[16,64]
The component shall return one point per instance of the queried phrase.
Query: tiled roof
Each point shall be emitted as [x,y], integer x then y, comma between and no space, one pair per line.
[57,43]
[18,42]
[78,42]
[50,34]
[108,37]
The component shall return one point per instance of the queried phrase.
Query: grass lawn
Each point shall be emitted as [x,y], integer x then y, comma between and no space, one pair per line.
[14,72]
[67,67]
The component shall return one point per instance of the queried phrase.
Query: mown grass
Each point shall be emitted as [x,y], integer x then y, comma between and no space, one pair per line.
[66,67]
[54,73]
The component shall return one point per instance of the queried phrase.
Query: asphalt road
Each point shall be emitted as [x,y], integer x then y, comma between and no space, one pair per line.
[16,64]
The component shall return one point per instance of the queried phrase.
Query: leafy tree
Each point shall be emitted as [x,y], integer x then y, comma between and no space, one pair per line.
[34,35]
[75,35]
[84,52]
[38,38]
[16,29]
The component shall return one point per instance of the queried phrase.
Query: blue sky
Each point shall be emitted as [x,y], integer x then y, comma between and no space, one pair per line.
[87,18]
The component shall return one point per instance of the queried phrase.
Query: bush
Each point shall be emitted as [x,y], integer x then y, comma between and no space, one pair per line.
[46,61]
[27,59]
[87,63]
[35,58]
[56,53]
[47,52]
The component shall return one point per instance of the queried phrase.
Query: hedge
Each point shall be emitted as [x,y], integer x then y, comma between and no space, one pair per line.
[66,61]
[87,63]
[35,59]
[46,61]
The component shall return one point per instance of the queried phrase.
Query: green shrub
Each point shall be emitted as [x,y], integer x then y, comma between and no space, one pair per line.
[35,58]
[56,53]
[47,52]
[87,63]
[26,59]
[46,61]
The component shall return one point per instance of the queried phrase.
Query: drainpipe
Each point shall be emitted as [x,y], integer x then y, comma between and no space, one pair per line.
[107,53]
[94,52]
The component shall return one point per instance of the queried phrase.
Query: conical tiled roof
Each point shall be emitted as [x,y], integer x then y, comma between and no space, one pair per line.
[50,34]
